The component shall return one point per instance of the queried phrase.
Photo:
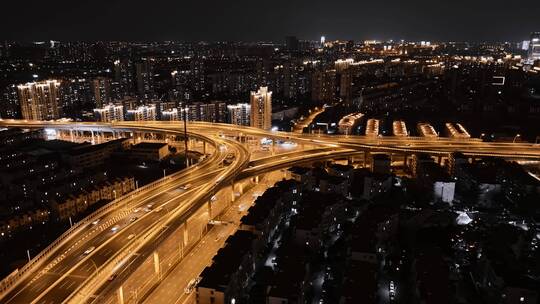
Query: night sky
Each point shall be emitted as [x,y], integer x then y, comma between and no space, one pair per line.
[249,20]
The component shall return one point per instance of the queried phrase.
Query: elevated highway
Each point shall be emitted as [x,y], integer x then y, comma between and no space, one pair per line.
[124,235]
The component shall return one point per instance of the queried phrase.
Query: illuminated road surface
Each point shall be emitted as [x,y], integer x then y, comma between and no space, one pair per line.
[68,269]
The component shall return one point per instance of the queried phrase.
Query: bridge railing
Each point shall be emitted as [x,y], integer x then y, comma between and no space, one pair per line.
[125,201]
[419,138]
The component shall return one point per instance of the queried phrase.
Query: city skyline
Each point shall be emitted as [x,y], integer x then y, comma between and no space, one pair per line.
[277,152]
[192,21]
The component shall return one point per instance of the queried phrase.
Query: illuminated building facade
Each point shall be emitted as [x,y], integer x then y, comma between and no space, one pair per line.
[261,108]
[102,91]
[109,113]
[534,47]
[40,100]
[239,114]
[142,113]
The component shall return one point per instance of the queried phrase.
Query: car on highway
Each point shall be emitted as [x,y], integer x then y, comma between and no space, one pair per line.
[130,236]
[112,277]
[186,187]
[158,209]
[133,219]
[115,228]
[89,250]
[392,291]
[96,222]
[191,285]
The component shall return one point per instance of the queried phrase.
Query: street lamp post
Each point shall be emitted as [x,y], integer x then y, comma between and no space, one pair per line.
[515,137]
[186,137]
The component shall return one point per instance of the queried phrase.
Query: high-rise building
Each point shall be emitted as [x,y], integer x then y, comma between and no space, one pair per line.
[101,87]
[40,100]
[170,115]
[142,113]
[77,94]
[9,102]
[123,78]
[163,106]
[208,112]
[290,80]
[323,86]
[534,46]
[221,111]
[198,76]
[180,85]
[239,114]
[211,112]
[110,112]
[261,108]
[145,79]
[193,112]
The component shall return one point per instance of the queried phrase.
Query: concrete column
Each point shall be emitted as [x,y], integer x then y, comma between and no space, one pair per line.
[185,232]
[204,147]
[209,207]
[93,139]
[405,158]
[240,187]
[71,135]
[439,160]
[156,265]
[367,157]
[232,192]
[256,179]
[120,294]
[181,249]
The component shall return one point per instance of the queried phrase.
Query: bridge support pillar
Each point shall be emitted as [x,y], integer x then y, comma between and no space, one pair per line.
[204,147]
[156,265]
[120,294]
[367,157]
[439,160]
[350,160]
[405,158]
[256,179]
[209,207]
[93,139]
[184,237]
[232,193]
[240,187]
[71,135]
